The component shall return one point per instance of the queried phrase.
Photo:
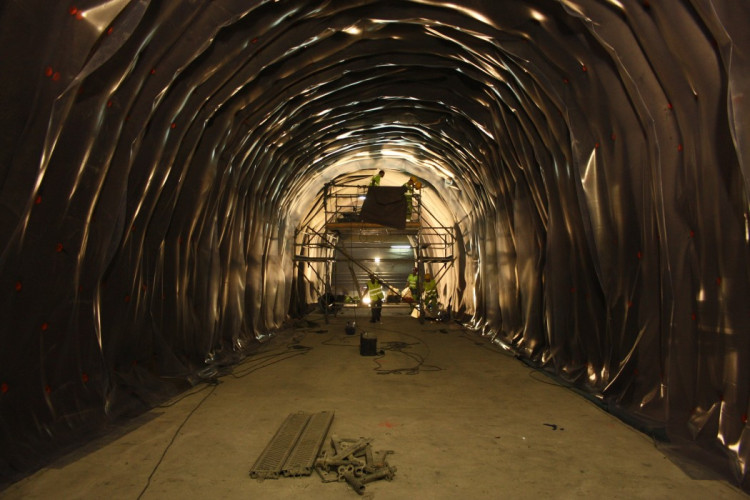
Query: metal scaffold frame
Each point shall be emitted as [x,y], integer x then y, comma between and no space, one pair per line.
[335,216]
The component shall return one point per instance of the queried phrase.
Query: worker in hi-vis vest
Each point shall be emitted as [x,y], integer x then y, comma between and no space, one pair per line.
[375,288]
[413,282]
[375,180]
[430,292]
[411,185]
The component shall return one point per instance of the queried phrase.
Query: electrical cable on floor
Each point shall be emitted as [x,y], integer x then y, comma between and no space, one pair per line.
[174,437]
[172,403]
[642,428]
[500,350]
[490,346]
[292,350]
[355,341]
[400,347]
[395,346]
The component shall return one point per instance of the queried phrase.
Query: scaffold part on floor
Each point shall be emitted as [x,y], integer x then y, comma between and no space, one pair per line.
[302,459]
[353,461]
[294,447]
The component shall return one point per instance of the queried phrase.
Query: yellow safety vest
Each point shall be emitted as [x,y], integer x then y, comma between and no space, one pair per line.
[376,291]
[412,279]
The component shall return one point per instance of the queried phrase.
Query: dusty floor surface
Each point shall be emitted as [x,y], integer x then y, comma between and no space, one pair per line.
[464,419]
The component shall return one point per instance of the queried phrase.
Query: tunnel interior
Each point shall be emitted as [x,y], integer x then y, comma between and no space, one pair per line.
[158,158]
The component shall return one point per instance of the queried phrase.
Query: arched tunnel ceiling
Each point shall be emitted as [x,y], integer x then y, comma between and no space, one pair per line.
[157,157]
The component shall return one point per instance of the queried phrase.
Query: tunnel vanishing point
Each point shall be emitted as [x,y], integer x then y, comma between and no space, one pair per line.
[157,159]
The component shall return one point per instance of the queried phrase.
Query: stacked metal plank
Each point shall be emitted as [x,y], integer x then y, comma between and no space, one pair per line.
[293,449]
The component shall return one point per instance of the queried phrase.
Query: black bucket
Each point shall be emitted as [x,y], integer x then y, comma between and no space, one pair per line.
[368,346]
[350,329]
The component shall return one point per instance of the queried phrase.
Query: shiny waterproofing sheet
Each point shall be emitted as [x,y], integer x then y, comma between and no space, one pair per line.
[156,158]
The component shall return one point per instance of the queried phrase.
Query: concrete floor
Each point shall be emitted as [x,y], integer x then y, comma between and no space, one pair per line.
[464,419]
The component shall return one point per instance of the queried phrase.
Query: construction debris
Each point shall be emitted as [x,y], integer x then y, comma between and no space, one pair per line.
[298,446]
[353,461]
[292,451]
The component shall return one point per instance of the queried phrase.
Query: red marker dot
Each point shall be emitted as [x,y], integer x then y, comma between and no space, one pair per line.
[59,248]
[153,71]
[79,16]
[566,81]
[4,388]
[584,68]
[718,281]
[19,286]
[38,200]
[744,416]
[110,30]
[55,76]
[49,71]
[596,145]
[639,255]
[679,147]
[109,104]
[254,40]
[84,378]
[693,317]
[174,125]
[692,233]
[73,11]
[45,326]
[669,105]
[47,389]
[127,298]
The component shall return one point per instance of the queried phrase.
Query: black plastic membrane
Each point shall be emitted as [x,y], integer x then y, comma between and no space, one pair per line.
[156,159]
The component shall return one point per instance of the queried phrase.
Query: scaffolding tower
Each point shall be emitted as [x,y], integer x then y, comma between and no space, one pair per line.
[326,238]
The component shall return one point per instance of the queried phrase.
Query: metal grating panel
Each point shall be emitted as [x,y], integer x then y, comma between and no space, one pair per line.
[268,465]
[302,458]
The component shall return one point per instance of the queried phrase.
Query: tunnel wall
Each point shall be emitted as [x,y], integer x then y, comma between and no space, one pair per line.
[156,158]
